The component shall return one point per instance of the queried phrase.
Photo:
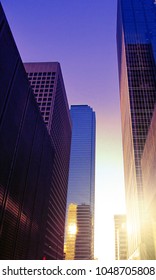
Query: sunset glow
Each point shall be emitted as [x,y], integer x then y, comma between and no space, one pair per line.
[81,36]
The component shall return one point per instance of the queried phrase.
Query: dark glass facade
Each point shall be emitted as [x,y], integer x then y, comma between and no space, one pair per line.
[48,87]
[136,42]
[26,158]
[32,211]
[81,185]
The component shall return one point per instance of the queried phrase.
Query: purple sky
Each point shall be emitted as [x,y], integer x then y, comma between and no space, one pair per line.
[81,35]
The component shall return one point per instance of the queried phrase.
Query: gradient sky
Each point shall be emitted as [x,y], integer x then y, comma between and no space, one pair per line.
[81,35]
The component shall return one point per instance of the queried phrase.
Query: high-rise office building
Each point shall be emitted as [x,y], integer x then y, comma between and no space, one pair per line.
[81,183]
[136,42]
[31,222]
[120,237]
[149,178]
[71,232]
[84,237]
[48,86]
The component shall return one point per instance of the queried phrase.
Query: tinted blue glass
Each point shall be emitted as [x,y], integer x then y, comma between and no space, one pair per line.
[139,22]
[82,160]
[136,38]
[82,178]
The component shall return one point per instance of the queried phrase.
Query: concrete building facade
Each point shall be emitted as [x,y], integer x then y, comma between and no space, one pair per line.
[47,83]
[120,227]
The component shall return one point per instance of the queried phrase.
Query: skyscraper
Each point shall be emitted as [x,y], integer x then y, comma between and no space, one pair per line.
[48,86]
[71,232]
[120,237]
[81,183]
[136,42]
[84,236]
[32,200]
[149,178]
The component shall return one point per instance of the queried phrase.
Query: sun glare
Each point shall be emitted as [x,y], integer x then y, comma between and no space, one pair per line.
[72,229]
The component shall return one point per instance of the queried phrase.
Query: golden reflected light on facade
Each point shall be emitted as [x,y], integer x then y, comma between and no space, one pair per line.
[71,231]
[149,179]
[136,59]
[120,237]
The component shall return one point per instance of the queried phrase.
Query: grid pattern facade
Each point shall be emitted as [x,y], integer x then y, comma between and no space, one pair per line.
[81,183]
[83,250]
[43,87]
[149,179]
[78,233]
[137,77]
[120,237]
[47,82]
[26,158]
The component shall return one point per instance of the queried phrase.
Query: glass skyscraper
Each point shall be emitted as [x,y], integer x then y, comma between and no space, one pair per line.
[136,42]
[148,164]
[81,183]
[34,161]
